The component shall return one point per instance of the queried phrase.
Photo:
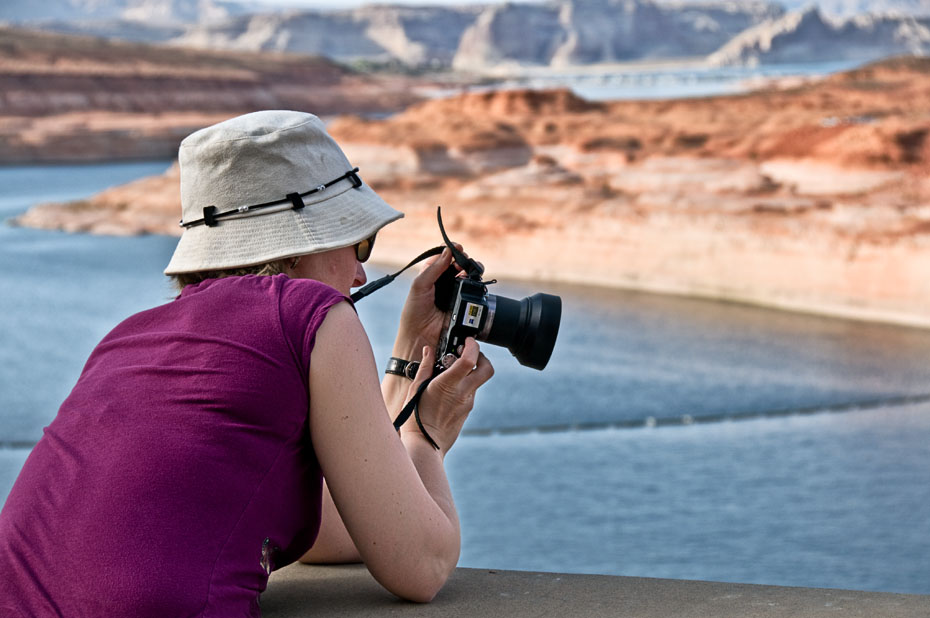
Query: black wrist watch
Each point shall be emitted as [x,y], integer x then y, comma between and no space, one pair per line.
[401,367]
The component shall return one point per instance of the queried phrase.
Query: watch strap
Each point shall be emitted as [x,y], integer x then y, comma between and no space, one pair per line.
[401,367]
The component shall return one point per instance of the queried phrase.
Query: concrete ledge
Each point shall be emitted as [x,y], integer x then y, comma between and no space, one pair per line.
[302,590]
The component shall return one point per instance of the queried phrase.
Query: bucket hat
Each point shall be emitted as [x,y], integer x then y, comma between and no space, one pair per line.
[267,186]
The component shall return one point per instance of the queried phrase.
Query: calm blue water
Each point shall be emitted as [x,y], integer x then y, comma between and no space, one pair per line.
[829,499]
[642,82]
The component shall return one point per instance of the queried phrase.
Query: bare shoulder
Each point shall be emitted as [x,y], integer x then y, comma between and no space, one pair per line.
[341,327]
[342,357]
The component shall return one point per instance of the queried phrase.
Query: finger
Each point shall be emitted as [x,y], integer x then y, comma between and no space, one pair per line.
[483,372]
[425,370]
[464,364]
[428,276]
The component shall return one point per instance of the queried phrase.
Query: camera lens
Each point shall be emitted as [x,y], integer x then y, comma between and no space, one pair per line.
[528,327]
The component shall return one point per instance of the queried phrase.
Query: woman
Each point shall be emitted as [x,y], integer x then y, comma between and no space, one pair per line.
[187,463]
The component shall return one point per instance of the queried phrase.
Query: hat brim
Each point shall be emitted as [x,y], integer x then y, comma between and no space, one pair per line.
[340,220]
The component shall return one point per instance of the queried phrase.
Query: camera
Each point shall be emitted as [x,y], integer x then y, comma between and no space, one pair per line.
[528,327]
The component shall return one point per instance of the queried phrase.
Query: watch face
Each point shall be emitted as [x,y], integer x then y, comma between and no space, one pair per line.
[411,369]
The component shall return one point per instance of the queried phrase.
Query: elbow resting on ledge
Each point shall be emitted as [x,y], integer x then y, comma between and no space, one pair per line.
[419,581]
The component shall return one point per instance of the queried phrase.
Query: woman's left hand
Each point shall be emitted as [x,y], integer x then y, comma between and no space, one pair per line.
[420,325]
[421,321]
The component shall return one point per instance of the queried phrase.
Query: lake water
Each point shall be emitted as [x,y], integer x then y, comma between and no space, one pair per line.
[655,81]
[625,456]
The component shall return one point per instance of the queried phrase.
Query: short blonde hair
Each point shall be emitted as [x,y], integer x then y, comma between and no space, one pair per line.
[276,267]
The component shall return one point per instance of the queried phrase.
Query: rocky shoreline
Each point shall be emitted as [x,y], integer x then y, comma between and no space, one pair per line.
[814,199]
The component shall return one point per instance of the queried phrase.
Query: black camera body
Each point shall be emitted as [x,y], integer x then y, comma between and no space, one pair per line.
[467,308]
[528,327]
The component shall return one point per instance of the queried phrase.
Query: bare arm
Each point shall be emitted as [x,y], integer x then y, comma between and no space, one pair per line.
[392,493]
[333,545]
[419,326]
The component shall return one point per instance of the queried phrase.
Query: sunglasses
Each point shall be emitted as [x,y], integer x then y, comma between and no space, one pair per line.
[363,249]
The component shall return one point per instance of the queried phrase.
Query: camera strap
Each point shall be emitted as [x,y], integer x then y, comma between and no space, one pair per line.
[413,407]
[377,284]
[468,265]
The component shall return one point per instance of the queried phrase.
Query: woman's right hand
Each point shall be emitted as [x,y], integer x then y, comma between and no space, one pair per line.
[450,397]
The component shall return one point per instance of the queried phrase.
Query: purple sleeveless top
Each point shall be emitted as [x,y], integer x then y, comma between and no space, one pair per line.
[179,471]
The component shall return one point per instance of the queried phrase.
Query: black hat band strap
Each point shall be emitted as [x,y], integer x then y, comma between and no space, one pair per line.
[293,201]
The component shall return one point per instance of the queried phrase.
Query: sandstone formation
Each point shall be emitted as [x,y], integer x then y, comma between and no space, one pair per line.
[509,37]
[574,33]
[481,37]
[416,36]
[70,98]
[816,198]
[145,206]
[807,36]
